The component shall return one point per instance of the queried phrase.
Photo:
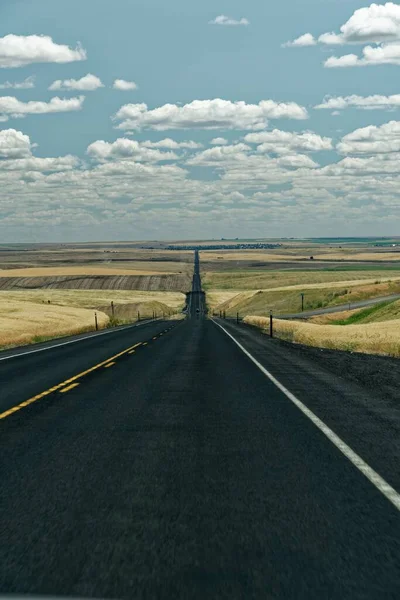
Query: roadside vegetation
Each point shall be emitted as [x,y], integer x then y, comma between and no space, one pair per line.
[38,315]
[25,322]
[371,338]
[288,300]
[266,280]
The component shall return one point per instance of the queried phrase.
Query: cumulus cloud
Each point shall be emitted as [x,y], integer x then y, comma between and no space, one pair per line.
[364,102]
[207,114]
[285,142]
[124,86]
[372,140]
[127,149]
[219,141]
[229,21]
[172,144]
[88,83]
[372,24]
[378,24]
[385,54]
[220,153]
[11,106]
[304,40]
[20,50]
[14,144]
[27,84]
[63,163]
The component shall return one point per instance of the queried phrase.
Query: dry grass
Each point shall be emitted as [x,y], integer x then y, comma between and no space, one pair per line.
[266,280]
[93,298]
[297,254]
[82,270]
[387,311]
[372,338]
[22,322]
[287,300]
[215,298]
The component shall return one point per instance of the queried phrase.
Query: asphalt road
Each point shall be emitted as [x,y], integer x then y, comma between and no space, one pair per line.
[178,468]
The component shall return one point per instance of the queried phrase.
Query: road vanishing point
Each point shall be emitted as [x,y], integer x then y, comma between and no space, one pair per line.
[194,459]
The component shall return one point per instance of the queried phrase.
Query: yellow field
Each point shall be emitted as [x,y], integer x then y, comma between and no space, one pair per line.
[22,322]
[93,298]
[82,270]
[267,280]
[291,255]
[215,298]
[373,338]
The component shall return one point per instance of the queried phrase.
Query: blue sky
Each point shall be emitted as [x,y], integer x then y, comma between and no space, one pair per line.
[89,169]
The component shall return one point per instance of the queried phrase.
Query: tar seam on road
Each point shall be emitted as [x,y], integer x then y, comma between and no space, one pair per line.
[390,493]
[60,387]
[88,337]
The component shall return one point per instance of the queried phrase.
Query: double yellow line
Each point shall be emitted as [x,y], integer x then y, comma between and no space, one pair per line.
[69,384]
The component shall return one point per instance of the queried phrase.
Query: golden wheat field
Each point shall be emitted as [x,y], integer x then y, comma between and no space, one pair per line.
[80,270]
[372,338]
[93,298]
[23,322]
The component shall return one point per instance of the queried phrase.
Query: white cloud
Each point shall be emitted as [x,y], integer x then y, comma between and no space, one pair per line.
[219,141]
[13,107]
[27,84]
[172,144]
[207,114]
[124,86]
[220,153]
[385,54]
[229,21]
[372,140]
[285,142]
[375,24]
[364,102]
[304,40]
[127,149]
[19,51]
[88,83]
[297,161]
[63,163]
[14,144]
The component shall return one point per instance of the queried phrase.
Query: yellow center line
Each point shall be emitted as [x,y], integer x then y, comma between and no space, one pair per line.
[70,387]
[72,380]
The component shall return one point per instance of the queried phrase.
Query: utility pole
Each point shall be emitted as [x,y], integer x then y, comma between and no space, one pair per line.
[271,325]
[302,302]
[112,309]
[95,322]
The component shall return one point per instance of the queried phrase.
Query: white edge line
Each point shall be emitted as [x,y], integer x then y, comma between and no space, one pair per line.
[376,480]
[88,337]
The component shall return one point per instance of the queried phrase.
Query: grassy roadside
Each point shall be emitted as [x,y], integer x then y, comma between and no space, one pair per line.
[370,338]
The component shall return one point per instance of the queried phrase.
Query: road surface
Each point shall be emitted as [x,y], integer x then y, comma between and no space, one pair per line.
[165,461]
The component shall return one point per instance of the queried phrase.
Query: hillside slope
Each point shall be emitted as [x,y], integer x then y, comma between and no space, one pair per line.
[176,282]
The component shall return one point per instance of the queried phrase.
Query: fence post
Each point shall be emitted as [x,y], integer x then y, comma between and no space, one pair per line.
[224,314]
[237,317]
[138,316]
[271,324]
[95,322]
[112,308]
